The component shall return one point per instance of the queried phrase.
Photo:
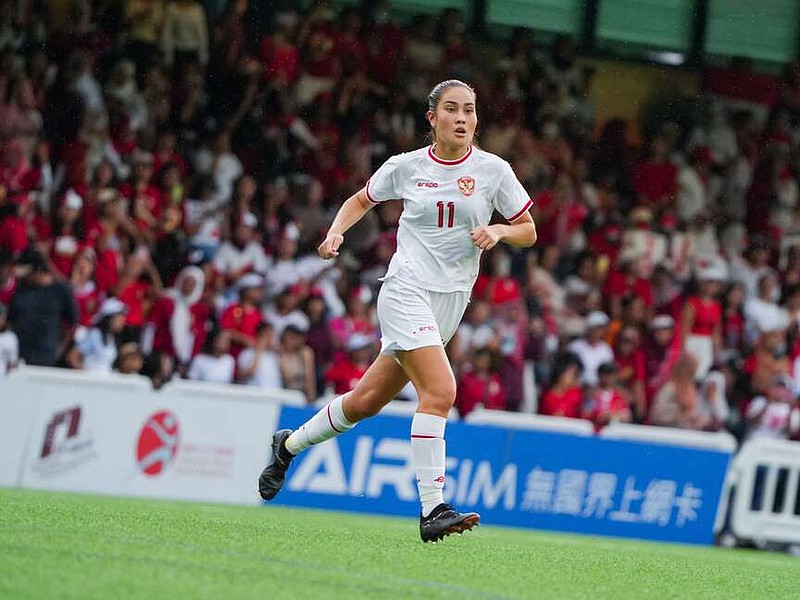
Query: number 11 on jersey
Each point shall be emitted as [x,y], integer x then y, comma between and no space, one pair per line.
[451,213]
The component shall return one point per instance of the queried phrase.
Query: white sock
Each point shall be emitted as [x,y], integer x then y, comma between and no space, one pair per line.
[326,424]
[428,456]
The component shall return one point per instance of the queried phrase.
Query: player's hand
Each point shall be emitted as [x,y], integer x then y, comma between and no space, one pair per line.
[485,237]
[330,247]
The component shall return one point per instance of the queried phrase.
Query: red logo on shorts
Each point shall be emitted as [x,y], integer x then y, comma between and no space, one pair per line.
[466,185]
[425,328]
[439,479]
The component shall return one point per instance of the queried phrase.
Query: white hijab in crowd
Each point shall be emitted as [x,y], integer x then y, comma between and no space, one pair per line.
[180,325]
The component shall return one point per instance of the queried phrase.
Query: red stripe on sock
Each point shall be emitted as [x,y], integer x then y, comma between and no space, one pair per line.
[424,437]
[331,420]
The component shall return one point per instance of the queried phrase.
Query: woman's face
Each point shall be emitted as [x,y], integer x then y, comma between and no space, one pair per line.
[736,296]
[117,323]
[292,341]
[570,376]
[455,118]
[83,267]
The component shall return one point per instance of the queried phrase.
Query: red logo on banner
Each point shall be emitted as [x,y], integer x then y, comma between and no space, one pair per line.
[158,443]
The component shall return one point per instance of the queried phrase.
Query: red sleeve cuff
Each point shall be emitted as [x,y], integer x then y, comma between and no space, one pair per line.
[370,198]
[522,212]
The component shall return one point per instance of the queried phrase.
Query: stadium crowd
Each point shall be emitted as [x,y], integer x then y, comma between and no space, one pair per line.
[166,175]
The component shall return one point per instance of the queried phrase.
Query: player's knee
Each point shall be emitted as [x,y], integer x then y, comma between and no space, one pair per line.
[439,397]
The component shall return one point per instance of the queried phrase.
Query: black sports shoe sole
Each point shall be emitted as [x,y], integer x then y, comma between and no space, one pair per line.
[469,522]
[273,476]
[466,525]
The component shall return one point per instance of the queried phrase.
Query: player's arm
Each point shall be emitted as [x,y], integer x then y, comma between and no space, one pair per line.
[520,233]
[350,213]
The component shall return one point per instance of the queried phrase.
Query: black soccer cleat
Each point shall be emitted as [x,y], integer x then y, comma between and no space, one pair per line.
[444,520]
[274,474]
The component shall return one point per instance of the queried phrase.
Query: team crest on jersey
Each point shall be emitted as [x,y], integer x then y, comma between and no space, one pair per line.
[466,185]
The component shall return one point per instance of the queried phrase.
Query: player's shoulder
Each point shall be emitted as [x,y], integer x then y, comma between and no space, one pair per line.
[490,161]
[408,158]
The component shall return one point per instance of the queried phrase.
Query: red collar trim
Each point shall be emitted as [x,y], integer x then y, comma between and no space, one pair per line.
[449,163]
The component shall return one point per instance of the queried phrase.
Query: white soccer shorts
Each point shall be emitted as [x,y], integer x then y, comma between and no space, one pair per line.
[412,317]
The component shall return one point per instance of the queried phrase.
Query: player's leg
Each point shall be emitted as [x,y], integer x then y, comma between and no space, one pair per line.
[430,372]
[380,384]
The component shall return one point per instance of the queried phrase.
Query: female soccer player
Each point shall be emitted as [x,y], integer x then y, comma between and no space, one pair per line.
[449,191]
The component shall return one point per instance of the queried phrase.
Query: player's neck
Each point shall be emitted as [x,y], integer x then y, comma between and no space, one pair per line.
[446,152]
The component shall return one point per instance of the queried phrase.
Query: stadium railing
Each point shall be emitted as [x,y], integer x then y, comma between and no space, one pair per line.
[763,491]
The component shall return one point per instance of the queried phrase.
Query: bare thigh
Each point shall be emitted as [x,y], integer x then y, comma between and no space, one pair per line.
[429,370]
[380,384]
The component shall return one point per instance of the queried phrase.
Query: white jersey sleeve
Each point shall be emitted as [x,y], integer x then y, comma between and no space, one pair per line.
[385,183]
[511,199]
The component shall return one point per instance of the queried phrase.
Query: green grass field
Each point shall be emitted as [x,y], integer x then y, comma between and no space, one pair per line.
[77,546]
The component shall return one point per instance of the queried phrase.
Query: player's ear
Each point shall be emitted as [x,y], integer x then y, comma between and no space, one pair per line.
[431,118]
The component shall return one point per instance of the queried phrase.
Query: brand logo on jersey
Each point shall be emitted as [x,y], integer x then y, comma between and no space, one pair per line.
[466,185]
[427,184]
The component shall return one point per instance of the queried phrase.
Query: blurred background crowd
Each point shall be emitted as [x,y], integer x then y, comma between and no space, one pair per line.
[167,170]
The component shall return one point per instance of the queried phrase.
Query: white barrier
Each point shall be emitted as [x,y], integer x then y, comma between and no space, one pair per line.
[765,481]
[722,440]
[501,418]
[113,434]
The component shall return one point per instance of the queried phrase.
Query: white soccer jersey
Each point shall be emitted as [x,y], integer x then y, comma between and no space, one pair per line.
[442,202]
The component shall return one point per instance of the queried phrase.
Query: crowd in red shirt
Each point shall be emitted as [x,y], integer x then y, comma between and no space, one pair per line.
[196,191]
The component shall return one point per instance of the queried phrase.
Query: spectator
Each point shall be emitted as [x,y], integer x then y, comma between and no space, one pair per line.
[629,357]
[769,357]
[662,351]
[241,254]
[480,386]
[605,403]
[297,363]
[185,35]
[9,345]
[286,312]
[733,333]
[762,309]
[241,319]
[214,364]
[474,333]
[8,282]
[356,320]
[130,360]
[139,285]
[145,19]
[204,219]
[592,350]
[701,320]
[178,319]
[319,337]
[677,403]
[259,365]
[42,312]
[564,396]
[159,367]
[774,415]
[98,345]
[656,178]
[348,370]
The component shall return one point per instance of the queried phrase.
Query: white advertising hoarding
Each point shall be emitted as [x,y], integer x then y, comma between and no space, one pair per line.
[97,436]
